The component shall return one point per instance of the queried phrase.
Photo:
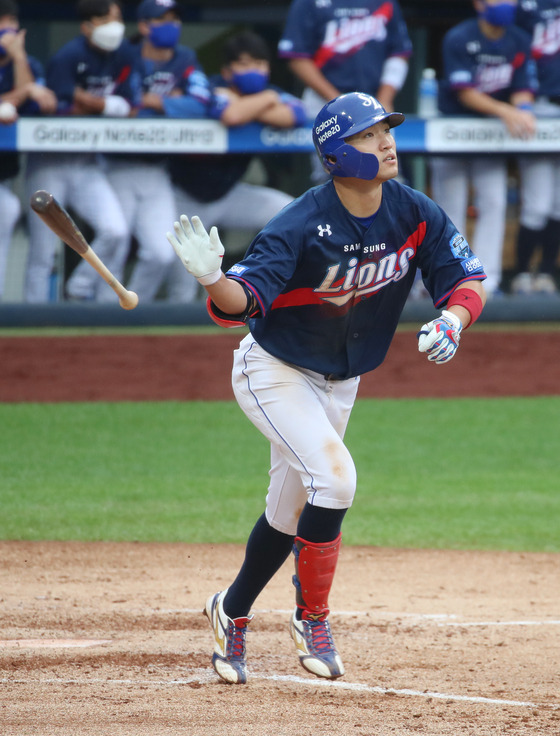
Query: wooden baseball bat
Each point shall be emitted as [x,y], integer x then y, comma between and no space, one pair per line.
[57,218]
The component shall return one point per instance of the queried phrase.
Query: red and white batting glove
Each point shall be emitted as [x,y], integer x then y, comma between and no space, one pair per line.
[200,253]
[440,337]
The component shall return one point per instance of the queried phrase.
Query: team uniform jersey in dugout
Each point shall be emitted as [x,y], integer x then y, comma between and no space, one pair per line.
[542,20]
[348,41]
[496,67]
[331,290]
[77,64]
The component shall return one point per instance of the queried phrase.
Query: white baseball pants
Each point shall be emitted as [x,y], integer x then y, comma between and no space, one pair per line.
[10,208]
[452,178]
[77,181]
[539,179]
[304,417]
[147,200]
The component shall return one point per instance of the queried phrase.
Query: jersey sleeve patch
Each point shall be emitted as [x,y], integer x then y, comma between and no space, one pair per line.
[237,270]
[472,265]
[459,246]
[461,251]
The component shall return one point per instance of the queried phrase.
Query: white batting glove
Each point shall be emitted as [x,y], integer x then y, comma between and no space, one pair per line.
[440,337]
[200,253]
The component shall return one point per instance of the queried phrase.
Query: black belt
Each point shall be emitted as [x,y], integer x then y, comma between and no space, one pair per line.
[332,377]
[554,100]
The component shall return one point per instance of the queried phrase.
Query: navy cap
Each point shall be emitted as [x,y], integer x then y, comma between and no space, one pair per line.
[156,8]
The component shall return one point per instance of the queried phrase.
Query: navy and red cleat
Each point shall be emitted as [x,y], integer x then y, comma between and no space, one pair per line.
[228,658]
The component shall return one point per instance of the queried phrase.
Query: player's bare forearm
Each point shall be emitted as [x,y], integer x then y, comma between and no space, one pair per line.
[247,108]
[87,104]
[279,116]
[313,77]
[386,96]
[520,123]
[463,314]
[22,73]
[481,102]
[14,47]
[228,295]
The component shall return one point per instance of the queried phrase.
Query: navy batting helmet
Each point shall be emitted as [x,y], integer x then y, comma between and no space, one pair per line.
[339,119]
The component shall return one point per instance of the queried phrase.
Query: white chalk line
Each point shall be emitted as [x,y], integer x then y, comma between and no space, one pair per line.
[52,643]
[208,677]
[501,623]
[439,619]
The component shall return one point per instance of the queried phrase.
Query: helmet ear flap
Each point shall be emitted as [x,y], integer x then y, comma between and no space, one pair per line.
[349,162]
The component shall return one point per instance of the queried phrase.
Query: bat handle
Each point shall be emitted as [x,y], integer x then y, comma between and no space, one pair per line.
[127,299]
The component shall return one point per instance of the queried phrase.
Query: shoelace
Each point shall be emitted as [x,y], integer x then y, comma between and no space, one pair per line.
[321,637]
[236,641]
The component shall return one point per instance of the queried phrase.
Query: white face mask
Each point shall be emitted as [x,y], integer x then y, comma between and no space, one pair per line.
[108,37]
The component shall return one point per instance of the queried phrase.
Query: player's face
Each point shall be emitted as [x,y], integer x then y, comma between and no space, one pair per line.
[9,23]
[378,140]
[114,14]
[247,63]
[481,5]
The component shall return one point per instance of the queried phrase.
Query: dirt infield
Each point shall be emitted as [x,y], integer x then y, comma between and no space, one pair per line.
[434,642]
[108,639]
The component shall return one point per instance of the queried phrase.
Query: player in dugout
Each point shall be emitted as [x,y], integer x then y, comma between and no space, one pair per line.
[322,288]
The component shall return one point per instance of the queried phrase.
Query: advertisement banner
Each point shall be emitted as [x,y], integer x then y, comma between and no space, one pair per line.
[476,135]
[121,135]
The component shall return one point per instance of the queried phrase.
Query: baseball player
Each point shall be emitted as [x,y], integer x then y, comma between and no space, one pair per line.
[540,175]
[339,46]
[487,72]
[173,85]
[93,74]
[322,288]
[22,92]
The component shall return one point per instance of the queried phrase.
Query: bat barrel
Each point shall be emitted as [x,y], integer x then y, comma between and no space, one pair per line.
[41,200]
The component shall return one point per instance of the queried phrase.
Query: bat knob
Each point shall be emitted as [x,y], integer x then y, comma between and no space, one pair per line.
[129,300]
[41,200]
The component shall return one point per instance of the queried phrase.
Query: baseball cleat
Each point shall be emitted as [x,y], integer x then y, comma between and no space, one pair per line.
[315,647]
[228,659]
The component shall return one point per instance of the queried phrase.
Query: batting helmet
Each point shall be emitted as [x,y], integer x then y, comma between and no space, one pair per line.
[338,120]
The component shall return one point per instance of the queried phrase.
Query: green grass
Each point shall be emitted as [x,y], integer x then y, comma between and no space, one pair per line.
[465,473]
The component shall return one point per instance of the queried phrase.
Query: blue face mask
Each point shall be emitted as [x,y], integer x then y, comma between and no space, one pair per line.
[502,14]
[165,36]
[249,83]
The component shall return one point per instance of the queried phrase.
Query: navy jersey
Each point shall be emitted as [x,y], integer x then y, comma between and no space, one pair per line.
[331,290]
[541,18]
[9,161]
[78,64]
[348,41]
[182,72]
[497,68]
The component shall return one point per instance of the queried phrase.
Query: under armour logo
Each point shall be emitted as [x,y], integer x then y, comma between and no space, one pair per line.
[324,230]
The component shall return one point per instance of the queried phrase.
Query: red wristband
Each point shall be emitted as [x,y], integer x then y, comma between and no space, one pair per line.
[470,300]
